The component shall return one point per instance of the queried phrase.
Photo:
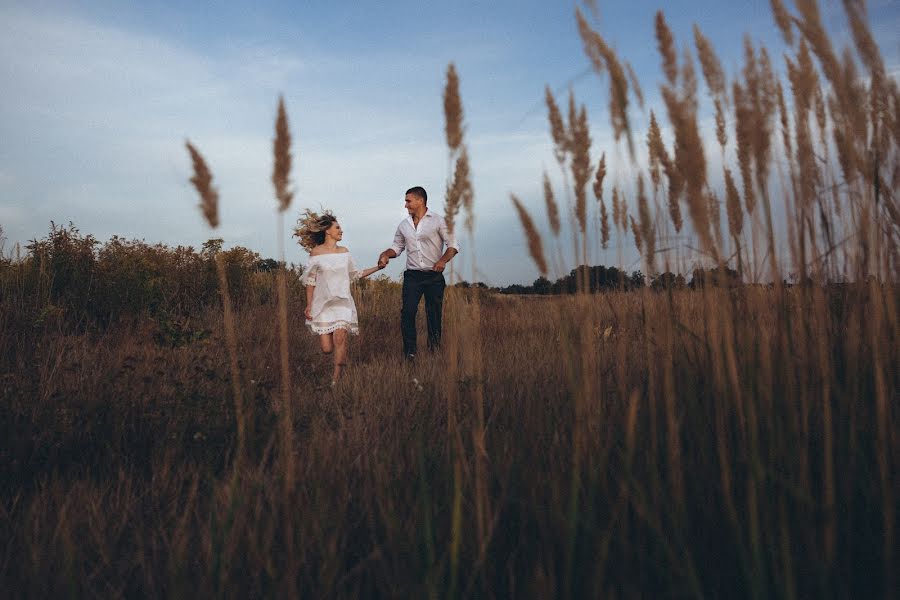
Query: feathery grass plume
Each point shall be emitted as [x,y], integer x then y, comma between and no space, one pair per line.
[821,118]
[552,209]
[635,84]
[721,126]
[557,127]
[862,37]
[580,135]
[460,192]
[602,58]
[810,25]
[666,44]
[659,157]
[598,193]
[636,231]
[743,136]
[617,210]
[688,82]
[202,180]
[648,234]
[655,151]
[784,21]
[209,204]
[733,207]
[281,147]
[785,123]
[765,97]
[856,100]
[623,209]
[453,112]
[709,62]
[715,215]
[535,248]
[689,161]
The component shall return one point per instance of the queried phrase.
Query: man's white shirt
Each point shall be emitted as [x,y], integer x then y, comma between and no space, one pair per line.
[424,244]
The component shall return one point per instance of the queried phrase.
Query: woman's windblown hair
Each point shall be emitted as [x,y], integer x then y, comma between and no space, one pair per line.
[311,227]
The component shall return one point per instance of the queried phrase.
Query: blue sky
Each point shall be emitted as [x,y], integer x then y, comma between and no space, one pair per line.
[100,96]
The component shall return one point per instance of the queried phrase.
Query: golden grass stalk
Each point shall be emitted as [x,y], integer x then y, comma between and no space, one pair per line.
[733,207]
[666,45]
[202,180]
[646,223]
[602,58]
[209,205]
[635,84]
[743,136]
[766,106]
[721,126]
[281,171]
[659,157]
[709,62]
[459,192]
[617,217]
[783,116]
[689,157]
[784,21]
[281,147]
[557,127]
[535,248]
[598,193]
[453,111]
[579,134]
[552,209]
[636,231]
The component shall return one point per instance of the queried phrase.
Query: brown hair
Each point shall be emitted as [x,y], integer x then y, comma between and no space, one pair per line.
[420,192]
[311,228]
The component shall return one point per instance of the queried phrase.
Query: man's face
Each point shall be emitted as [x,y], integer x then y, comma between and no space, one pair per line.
[413,203]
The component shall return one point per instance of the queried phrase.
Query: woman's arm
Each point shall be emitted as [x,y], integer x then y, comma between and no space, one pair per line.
[369,271]
[310,289]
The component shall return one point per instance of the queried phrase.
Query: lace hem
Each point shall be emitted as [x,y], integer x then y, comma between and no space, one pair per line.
[331,327]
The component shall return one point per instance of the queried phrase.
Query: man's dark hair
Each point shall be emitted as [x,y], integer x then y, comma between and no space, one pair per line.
[420,192]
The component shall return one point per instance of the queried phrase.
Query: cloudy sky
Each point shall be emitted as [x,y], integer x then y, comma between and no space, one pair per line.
[99,96]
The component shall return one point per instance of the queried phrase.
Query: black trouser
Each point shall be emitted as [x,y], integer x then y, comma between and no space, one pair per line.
[415,285]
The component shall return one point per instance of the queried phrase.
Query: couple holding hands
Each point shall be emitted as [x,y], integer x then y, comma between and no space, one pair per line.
[330,310]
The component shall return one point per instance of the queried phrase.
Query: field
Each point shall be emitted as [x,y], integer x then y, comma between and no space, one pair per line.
[168,429]
[628,444]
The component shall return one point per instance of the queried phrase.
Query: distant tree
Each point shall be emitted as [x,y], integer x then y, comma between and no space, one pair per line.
[667,281]
[542,285]
[267,265]
[715,277]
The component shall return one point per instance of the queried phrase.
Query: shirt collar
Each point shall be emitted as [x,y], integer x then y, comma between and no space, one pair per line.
[428,213]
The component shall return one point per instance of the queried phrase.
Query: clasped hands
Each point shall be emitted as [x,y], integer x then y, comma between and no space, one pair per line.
[383,260]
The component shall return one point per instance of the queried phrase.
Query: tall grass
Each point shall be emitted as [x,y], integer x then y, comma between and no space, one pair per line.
[727,441]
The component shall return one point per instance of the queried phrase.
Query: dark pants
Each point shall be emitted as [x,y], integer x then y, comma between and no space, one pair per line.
[415,285]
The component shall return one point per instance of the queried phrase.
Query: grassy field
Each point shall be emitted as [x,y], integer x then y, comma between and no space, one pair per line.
[167,429]
[714,443]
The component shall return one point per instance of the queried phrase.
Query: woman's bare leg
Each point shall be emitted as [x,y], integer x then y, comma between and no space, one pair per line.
[325,340]
[341,352]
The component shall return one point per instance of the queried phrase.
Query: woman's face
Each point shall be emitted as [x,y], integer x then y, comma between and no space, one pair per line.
[334,232]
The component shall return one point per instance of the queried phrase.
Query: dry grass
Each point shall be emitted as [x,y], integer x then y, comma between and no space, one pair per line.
[725,441]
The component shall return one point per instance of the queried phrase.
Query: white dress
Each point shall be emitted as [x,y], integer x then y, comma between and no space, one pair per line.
[332,305]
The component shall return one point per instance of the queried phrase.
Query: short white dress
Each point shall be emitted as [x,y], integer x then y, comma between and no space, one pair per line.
[332,305]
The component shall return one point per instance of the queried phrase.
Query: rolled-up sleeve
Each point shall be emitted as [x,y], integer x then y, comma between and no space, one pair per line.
[448,237]
[399,241]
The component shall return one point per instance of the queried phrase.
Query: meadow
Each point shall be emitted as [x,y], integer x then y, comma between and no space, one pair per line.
[168,431]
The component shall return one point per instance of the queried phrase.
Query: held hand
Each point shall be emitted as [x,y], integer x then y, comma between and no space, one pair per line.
[439,266]
[382,260]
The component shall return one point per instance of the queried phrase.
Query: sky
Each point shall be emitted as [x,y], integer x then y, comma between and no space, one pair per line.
[99,97]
